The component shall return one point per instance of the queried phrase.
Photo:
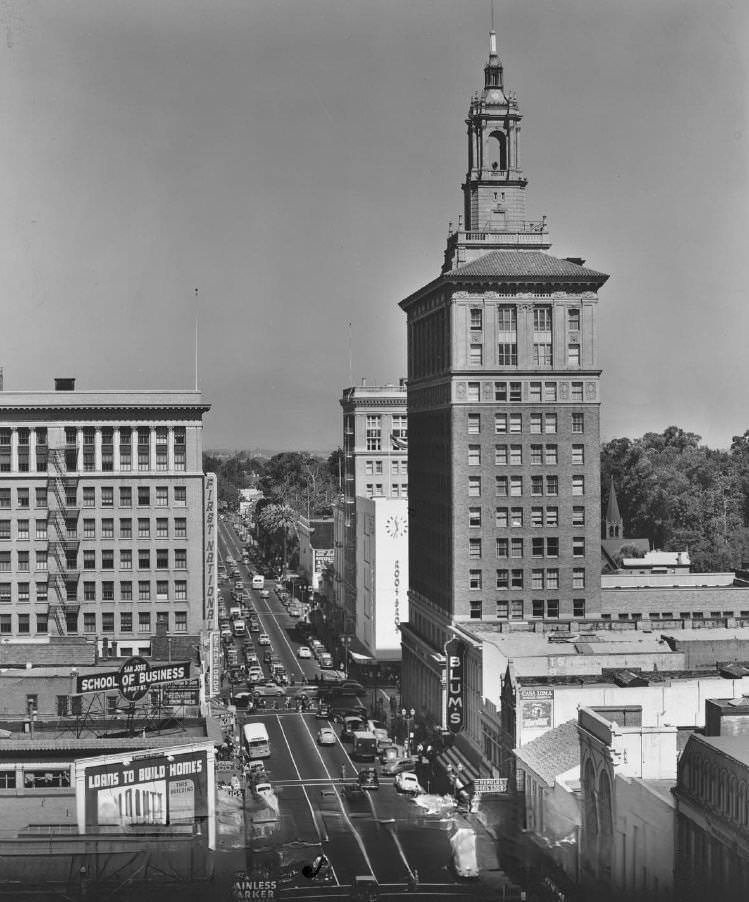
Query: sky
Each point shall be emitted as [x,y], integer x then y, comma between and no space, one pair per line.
[298,161]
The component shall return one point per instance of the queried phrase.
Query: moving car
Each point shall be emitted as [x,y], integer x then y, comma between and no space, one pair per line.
[325,659]
[408,782]
[368,778]
[326,736]
[265,594]
[303,652]
[239,627]
[263,639]
[351,725]
[397,765]
[242,699]
[268,690]
[463,846]
[263,790]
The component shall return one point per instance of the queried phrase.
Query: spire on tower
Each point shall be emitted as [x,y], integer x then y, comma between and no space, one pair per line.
[614,522]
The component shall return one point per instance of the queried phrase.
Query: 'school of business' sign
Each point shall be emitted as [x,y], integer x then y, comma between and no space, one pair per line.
[133,679]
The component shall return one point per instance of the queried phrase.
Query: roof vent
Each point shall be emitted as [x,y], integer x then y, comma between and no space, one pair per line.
[64,383]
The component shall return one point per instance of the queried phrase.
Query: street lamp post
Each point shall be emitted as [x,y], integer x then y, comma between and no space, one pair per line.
[345,641]
[408,717]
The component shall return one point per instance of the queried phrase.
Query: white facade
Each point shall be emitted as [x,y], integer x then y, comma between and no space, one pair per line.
[381,574]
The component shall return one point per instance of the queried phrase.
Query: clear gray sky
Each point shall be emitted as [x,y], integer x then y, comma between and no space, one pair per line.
[299,162]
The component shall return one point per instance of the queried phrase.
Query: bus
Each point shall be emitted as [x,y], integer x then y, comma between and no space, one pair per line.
[365,745]
[258,581]
[256,739]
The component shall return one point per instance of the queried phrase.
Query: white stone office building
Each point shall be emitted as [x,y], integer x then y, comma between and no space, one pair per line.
[101,515]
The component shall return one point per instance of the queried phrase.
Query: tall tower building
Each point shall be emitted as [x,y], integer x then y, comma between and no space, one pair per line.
[503,416]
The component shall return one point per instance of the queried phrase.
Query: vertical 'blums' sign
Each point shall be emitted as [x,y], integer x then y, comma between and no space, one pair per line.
[455,655]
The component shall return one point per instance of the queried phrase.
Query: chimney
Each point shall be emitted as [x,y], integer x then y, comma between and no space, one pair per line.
[64,383]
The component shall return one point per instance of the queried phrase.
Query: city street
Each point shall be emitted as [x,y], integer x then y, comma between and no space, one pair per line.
[379,832]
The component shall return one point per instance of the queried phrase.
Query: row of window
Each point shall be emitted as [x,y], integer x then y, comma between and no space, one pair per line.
[398,467]
[514,517]
[507,318]
[516,609]
[541,578]
[106,592]
[125,497]
[542,354]
[88,435]
[515,486]
[512,455]
[538,423]
[106,528]
[540,546]
[398,431]
[106,622]
[376,490]
[161,559]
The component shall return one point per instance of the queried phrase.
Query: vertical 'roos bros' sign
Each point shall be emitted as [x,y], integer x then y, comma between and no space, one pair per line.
[455,665]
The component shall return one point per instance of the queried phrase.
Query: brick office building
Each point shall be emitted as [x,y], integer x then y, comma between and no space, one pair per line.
[503,413]
[101,515]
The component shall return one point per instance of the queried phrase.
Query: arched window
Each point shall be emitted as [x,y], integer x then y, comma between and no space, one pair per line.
[590,816]
[496,151]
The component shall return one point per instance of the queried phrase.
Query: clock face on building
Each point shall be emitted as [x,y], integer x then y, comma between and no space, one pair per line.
[494,97]
[396,526]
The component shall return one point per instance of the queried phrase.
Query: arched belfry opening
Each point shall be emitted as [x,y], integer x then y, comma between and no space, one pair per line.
[496,156]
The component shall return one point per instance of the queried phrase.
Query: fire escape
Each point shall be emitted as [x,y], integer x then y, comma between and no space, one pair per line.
[62,539]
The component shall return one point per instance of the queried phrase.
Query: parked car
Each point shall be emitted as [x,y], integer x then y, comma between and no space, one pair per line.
[303,652]
[326,736]
[368,778]
[255,674]
[408,782]
[242,699]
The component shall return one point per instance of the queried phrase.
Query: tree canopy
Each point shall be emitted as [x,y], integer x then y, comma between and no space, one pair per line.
[681,495]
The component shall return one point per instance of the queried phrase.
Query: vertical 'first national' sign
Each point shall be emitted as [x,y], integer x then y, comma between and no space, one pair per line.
[455,655]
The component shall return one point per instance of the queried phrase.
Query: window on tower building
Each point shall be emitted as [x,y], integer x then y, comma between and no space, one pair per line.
[476,355]
[550,455]
[501,517]
[576,391]
[552,608]
[500,391]
[473,391]
[552,546]
[542,354]
[516,455]
[476,610]
[578,546]
[503,548]
[534,391]
[538,608]
[578,578]
[578,454]
[516,548]
[516,422]
[516,579]
[474,423]
[550,423]
[578,607]
[399,426]
[542,319]
[578,515]
[500,455]
[474,579]
[550,391]
[578,485]
[537,457]
[516,518]
[552,485]
[474,455]
[537,516]
[501,486]
[552,578]
[474,486]
[477,319]
[474,548]
[507,354]
[474,517]
[536,423]
[500,423]
[374,433]
[573,355]
[503,610]
[552,516]
[507,320]
[537,579]
[503,579]
[578,423]
[537,485]
[573,319]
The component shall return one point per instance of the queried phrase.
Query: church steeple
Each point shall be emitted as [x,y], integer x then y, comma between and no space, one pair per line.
[494,214]
[614,522]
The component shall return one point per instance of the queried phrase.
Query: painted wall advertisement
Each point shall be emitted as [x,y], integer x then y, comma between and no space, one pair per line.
[163,787]
[390,552]
[321,558]
[455,677]
[536,708]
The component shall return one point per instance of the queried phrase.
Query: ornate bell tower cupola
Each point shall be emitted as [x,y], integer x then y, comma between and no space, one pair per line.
[494,213]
